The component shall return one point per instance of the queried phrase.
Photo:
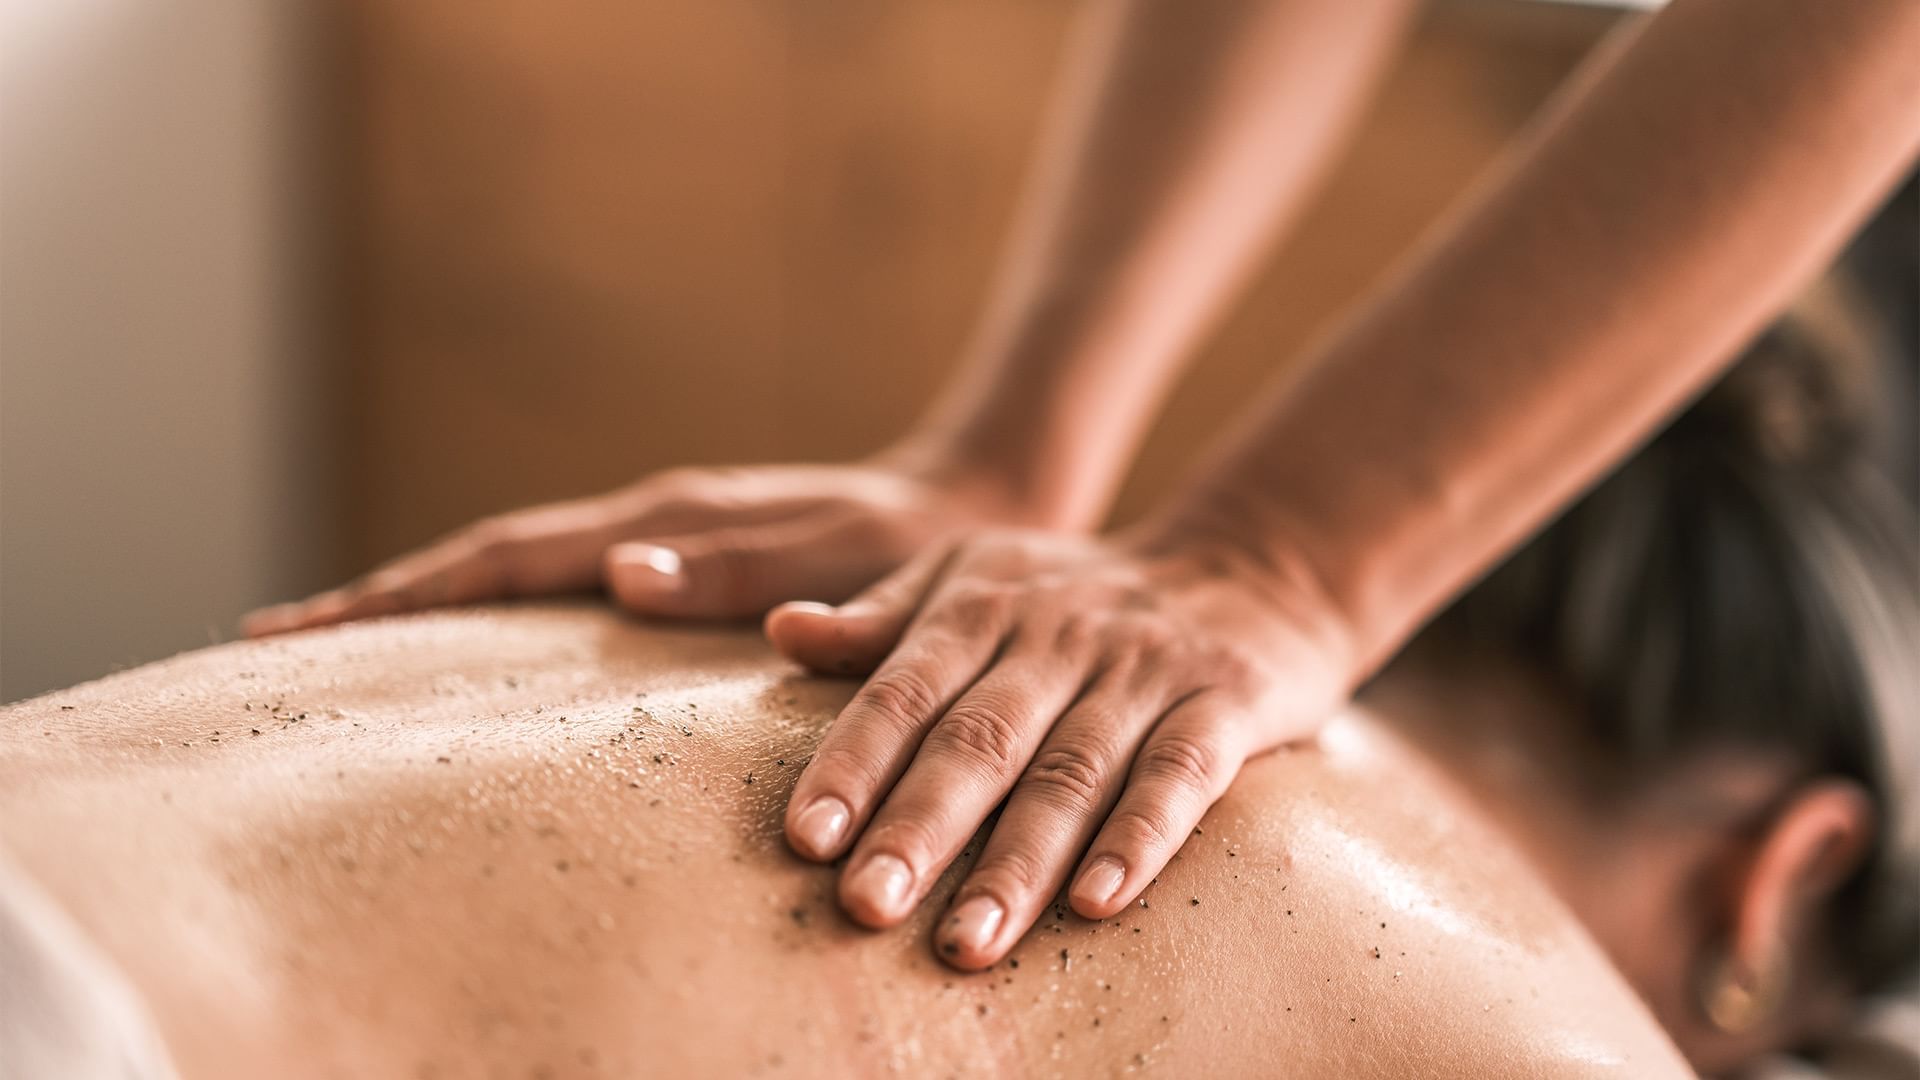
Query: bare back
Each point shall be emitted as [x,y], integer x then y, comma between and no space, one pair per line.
[546,841]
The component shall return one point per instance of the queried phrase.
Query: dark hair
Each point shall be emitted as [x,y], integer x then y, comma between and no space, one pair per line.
[1749,579]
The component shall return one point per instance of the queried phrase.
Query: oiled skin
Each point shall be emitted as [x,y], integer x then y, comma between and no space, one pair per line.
[545,841]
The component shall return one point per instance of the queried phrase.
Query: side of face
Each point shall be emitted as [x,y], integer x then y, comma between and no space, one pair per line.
[1710,888]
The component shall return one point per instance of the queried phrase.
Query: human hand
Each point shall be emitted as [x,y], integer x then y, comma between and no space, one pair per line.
[723,542]
[1107,690]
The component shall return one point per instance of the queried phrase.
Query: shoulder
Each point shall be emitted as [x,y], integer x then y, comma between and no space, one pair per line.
[488,659]
[1406,936]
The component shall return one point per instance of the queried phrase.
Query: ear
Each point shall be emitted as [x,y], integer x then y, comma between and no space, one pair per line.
[1810,848]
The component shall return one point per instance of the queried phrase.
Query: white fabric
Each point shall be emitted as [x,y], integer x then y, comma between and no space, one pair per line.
[65,1011]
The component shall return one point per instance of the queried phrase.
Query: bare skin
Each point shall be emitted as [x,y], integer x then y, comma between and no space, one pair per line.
[692,542]
[1180,142]
[1673,201]
[525,843]
[1670,205]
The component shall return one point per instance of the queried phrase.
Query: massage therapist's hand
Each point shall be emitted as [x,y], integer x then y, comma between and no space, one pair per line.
[1108,690]
[723,542]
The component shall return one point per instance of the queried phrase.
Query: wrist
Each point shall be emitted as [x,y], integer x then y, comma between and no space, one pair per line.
[1238,541]
[1004,487]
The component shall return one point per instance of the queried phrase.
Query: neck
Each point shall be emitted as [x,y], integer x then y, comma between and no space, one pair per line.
[1630,855]
[1507,739]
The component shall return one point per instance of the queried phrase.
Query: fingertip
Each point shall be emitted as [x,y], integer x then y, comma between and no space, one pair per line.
[803,631]
[969,935]
[794,616]
[321,610]
[637,556]
[1088,909]
[960,958]
[836,641]
[645,577]
[817,829]
[1099,891]
[262,622]
[876,891]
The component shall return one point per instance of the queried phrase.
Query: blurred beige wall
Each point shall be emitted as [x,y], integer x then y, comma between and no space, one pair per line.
[159,471]
[591,239]
[569,243]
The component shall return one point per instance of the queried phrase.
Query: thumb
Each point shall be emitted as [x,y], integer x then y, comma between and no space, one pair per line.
[857,635]
[738,572]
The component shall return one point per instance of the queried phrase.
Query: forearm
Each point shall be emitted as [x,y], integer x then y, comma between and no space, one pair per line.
[1670,204]
[1182,138]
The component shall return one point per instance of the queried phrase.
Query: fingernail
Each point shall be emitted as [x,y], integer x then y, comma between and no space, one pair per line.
[883,880]
[820,826]
[262,620]
[972,925]
[1100,881]
[660,566]
[809,607]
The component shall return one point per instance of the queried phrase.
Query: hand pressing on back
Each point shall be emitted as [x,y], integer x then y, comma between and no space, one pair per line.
[696,543]
[1106,690]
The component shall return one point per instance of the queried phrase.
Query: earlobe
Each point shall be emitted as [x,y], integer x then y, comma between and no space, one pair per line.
[1736,996]
[1810,848]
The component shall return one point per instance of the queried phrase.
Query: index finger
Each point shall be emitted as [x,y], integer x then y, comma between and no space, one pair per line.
[869,745]
[875,736]
[555,549]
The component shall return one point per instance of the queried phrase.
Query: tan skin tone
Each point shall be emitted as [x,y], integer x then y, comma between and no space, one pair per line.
[1072,356]
[519,841]
[1669,205]
[1747,831]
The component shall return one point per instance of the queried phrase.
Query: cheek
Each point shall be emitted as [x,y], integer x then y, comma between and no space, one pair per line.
[1640,906]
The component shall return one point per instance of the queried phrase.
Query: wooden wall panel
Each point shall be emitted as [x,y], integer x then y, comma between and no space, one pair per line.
[590,239]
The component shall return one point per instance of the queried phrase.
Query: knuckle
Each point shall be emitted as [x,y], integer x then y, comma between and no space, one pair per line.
[979,594]
[399,584]
[1124,670]
[1066,776]
[974,546]
[842,772]
[1012,872]
[1076,635]
[982,732]
[949,549]
[1141,632]
[679,480]
[387,579]
[901,696]
[843,521]
[1159,643]
[1148,653]
[1232,671]
[734,573]
[674,491]
[910,838]
[973,607]
[1188,759]
[490,536]
[1143,828]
